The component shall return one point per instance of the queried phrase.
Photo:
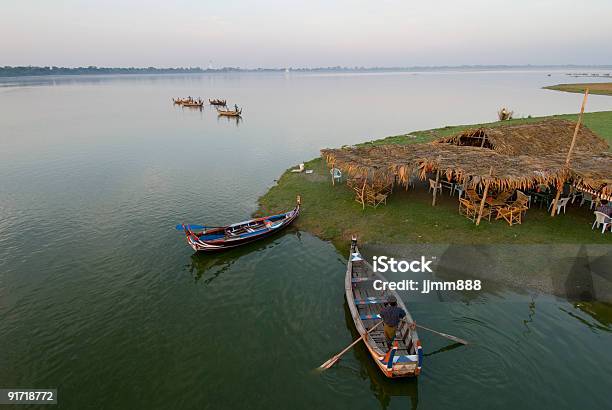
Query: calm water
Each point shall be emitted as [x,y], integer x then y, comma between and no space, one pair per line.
[101,298]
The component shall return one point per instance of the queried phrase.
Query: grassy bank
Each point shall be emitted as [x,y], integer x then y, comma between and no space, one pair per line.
[331,212]
[594,88]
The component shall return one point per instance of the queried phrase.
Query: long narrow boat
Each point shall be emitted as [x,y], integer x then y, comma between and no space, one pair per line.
[217,101]
[230,113]
[193,104]
[405,357]
[241,233]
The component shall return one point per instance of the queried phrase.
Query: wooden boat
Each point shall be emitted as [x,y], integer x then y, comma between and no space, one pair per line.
[230,113]
[405,357]
[181,101]
[194,104]
[217,101]
[241,233]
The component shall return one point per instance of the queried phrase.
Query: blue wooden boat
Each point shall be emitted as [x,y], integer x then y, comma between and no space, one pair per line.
[212,239]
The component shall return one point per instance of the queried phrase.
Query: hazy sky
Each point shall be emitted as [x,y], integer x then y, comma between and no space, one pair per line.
[276,33]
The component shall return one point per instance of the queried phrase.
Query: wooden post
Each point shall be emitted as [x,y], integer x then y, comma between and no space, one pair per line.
[569,152]
[365,181]
[484,197]
[484,138]
[332,175]
[554,204]
[433,203]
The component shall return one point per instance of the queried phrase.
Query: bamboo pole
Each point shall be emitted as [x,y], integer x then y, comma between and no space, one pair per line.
[433,203]
[332,175]
[365,181]
[484,196]
[569,152]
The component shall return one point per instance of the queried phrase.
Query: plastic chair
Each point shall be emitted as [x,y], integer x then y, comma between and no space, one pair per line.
[433,186]
[336,174]
[602,219]
[587,197]
[458,188]
[561,203]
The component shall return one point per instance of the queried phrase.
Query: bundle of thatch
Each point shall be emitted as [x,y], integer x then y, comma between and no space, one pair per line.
[593,173]
[538,138]
[470,165]
[517,156]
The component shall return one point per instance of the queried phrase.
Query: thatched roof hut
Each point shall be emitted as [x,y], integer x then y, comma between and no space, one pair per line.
[538,138]
[474,165]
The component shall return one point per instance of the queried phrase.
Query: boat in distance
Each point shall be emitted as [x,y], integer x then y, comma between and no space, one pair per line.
[193,104]
[230,113]
[405,357]
[217,101]
[212,239]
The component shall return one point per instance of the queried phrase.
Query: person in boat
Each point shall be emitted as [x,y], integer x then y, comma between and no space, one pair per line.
[391,315]
[236,107]
[605,208]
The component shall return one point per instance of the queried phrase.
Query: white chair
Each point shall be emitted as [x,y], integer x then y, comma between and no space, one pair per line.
[433,186]
[414,179]
[587,197]
[458,188]
[602,219]
[449,185]
[574,193]
[336,174]
[561,203]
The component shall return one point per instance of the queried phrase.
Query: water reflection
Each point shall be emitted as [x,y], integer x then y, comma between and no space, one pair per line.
[208,266]
[447,348]
[230,120]
[601,312]
[382,387]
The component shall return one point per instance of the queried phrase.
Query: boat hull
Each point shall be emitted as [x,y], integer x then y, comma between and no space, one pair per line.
[228,242]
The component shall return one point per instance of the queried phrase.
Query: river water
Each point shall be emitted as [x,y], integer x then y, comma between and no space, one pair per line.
[101,298]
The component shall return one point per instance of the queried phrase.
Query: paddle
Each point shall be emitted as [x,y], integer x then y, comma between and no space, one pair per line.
[451,337]
[179,227]
[332,361]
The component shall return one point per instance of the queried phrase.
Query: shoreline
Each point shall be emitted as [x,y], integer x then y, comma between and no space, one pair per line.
[594,88]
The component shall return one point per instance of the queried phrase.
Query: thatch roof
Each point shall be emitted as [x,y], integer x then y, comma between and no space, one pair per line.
[538,138]
[476,165]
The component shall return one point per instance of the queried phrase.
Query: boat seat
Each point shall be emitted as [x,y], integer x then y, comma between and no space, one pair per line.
[369,317]
[370,301]
[360,279]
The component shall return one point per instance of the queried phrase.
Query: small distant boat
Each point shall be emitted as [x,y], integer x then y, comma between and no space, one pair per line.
[189,102]
[212,239]
[193,104]
[405,357]
[217,101]
[230,113]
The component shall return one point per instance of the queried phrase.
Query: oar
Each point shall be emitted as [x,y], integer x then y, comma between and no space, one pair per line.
[179,227]
[451,337]
[332,361]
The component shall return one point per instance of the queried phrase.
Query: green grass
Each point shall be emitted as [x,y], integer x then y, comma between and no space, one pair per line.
[594,88]
[331,212]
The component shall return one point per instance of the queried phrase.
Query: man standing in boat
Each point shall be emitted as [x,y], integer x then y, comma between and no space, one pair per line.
[236,107]
[391,315]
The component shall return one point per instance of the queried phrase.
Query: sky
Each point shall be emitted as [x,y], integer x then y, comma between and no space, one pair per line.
[312,33]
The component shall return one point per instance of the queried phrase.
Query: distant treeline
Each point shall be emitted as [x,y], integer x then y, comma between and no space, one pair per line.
[8,71]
